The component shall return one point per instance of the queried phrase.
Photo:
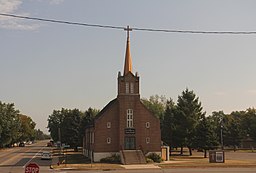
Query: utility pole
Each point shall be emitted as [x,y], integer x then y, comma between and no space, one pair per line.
[59,135]
[221,134]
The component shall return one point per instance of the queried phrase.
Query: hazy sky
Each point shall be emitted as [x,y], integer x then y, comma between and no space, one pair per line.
[47,66]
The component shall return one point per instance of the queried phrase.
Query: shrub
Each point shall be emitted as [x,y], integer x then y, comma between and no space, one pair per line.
[148,160]
[155,157]
[115,158]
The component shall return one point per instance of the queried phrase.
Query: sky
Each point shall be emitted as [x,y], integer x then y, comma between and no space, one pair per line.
[48,66]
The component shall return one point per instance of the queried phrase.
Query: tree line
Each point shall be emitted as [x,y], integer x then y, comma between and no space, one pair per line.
[68,125]
[16,127]
[185,124]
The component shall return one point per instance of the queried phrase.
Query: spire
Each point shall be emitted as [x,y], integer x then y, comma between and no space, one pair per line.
[128,58]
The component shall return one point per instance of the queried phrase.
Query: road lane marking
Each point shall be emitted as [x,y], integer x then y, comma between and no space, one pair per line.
[33,157]
[14,156]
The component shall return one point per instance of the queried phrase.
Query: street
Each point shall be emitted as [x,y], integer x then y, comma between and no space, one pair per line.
[15,159]
[192,170]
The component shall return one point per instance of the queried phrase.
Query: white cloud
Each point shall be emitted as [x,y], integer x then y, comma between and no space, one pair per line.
[11,7]
[56,1]
[7,6]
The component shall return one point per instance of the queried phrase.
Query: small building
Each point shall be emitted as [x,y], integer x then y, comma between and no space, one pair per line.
[124,126]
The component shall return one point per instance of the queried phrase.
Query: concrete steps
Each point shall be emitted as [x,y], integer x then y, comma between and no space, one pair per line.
[130,157]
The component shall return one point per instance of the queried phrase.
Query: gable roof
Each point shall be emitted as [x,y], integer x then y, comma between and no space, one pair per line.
[105,108]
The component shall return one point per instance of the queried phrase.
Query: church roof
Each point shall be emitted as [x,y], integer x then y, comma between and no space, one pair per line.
[105,108]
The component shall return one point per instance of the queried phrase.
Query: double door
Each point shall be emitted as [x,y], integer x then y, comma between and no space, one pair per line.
[129,143]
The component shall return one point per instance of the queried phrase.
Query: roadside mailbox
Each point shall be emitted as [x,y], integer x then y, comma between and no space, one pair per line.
[32,168]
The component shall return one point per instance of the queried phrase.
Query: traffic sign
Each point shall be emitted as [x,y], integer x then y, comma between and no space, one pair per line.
[32,168]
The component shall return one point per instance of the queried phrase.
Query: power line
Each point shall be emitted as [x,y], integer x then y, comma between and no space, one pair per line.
[61,21]
[134,28]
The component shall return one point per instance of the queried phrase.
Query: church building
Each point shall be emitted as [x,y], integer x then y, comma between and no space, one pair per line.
[124,126]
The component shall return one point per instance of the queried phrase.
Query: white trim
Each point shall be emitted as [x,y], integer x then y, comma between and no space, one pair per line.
[147,125]
[129,121]
[108,125]
[219,157]
[147,140]
[108,140]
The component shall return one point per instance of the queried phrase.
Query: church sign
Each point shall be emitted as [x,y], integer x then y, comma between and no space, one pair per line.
[129,131]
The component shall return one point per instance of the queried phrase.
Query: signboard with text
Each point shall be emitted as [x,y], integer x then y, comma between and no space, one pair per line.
[32,168]
[130,131]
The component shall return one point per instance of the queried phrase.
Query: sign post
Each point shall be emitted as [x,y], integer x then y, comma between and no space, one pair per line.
[32,168]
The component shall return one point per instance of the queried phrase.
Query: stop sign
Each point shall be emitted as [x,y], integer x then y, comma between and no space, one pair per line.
[32,168]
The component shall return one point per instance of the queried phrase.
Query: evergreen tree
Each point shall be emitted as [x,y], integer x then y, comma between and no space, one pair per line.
[189,113]
[167,124]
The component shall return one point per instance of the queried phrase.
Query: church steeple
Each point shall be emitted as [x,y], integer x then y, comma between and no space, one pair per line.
[128,83]
[128,58]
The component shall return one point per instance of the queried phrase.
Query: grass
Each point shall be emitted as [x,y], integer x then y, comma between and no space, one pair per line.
[71,157]
[75,160]
[198,160]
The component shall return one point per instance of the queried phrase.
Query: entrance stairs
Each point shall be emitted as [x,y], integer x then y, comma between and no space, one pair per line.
[129,157]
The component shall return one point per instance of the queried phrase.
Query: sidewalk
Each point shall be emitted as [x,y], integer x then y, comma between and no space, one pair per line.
[141,166]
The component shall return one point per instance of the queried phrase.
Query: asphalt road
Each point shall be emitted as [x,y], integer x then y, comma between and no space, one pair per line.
[15,159]
[193,170]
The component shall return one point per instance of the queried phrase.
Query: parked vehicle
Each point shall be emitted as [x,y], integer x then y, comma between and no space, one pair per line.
[21,144]
[15,145]
[29,143]
[50,144]
[46,155]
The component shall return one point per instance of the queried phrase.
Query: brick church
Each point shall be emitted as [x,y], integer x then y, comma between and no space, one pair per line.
[124,126]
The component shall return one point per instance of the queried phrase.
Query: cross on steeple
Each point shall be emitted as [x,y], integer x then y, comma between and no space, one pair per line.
[128,29]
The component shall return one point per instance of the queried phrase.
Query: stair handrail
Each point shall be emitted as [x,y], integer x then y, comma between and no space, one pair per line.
[141,148]
[122,152]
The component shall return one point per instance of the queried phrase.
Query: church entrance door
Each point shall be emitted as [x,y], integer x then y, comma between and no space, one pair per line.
[129,143]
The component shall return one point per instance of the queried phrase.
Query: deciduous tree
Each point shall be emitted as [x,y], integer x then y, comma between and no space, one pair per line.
[205,136]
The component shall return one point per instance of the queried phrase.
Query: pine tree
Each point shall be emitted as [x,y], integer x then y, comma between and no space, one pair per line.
[189,113]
